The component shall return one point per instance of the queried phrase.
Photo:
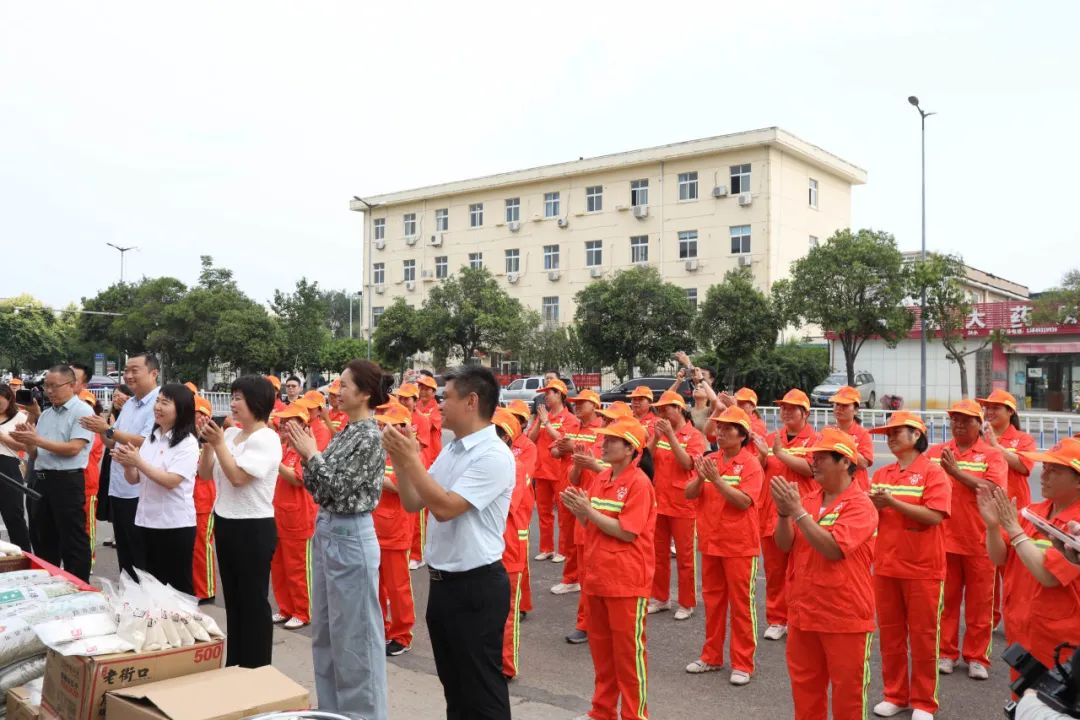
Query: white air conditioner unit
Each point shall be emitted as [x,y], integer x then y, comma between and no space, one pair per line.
[380,244]
[621,208]
[410,239]
[514,225]
[536,217]
[692,264]
[380,289]
[745,261]
[641,211]
[596,272]
[553,275]
[427,275]
[745,199]
[410,285]
[719,191]
[512,277]
[562,222]
[436,240]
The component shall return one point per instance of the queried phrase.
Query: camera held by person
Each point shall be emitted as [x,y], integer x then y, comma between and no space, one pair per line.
[1057,689]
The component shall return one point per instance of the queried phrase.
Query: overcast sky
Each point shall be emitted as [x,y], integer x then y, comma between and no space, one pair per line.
[241,129]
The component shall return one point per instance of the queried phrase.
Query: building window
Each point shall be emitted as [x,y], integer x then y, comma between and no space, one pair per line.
[380,228]
[594,198]
[594,253]
[687,244]
[639,192]
[378,273]
[740,178]
[813,241]
[688,186]
[442,267]
[740,239]
[551,257]
[813,193]
[376,316]
[442,220]
[408,270]
[513,209]
[639,249]
[410,224]
[476,214]
[513,261]
[551,204]
[691,297]
[550,310]
[476,260]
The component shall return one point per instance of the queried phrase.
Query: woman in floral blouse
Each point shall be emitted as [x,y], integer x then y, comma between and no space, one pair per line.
[348,642]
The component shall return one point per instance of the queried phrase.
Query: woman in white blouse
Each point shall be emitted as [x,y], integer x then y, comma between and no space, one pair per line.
[164,466]
[244,463]
[11,500]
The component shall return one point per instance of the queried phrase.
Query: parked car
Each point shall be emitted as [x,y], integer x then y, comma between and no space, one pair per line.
[864,383]
[527,388]
[102,382]
[658,384]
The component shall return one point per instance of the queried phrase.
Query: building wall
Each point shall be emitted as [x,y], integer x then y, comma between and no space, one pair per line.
[896,371]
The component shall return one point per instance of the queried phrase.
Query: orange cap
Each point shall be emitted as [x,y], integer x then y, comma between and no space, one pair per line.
[408,390]
[15,382]
[335,387]
[734,415]
[520,408]
[835,440]
[192,387]
[746,395]
[202,405]
[554,385]
[296,410]
[87,396]
[275,381]
[846,395]
[311,400]
[967,407]
[427,382]
[394,414]
[642,391]
[795,397]
[999,397]
[392,401]
[505,419]
[1066,452]
[670,397]
[616,410]
[625,428]
[587,396]
[900,418]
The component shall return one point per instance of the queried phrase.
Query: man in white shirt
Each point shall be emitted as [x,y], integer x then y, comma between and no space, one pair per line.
[467,491]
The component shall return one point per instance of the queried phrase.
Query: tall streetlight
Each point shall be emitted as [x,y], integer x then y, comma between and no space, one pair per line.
[358,295]
[922,300]
[123,251]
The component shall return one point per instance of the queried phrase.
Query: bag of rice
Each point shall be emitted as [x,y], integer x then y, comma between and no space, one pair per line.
[100,645]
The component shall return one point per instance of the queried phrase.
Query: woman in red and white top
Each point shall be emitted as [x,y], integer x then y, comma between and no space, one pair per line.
[845,412]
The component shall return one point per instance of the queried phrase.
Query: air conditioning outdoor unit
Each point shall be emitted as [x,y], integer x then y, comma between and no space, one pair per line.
[427,274]
[553,275]
[380,244]
[745,199]
[536,217]
[621,208]
[719,191]
[596,272]
[436,240]
[514,225]
[511,277]
[641,211]
[745,261]
[380,289]
[410,285]
[692,264]
[410,239]
[562,222]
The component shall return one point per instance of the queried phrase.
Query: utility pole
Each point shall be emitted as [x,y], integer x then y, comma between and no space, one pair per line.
[123,251]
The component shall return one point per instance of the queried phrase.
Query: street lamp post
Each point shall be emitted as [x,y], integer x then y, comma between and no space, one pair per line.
[123,251]
[358,295]
[922,300]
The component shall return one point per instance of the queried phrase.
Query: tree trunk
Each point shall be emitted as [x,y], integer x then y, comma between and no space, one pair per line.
[962,364]
[849,362]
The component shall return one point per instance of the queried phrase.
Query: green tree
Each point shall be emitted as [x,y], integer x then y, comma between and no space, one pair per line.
[33,338]
[556,347]
[248,339]
[338,309]
[786,366]
[738,323]
[633,319]
[469,312]
[1060,304]
[853,285]
[399,335]
[942,278]
[303,315]
[339,352]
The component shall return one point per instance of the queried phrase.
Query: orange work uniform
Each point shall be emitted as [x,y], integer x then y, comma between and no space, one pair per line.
[969,574]
[675,516]
[202,567]
[757,425]
[865,447]
[550,480]
[587,436]
[831,609]
[92,480]
[620,576]
[524,451]
[337,419]
[516,555]
[909,582]
[1014,441]
[321,432]
[730,543]
[393,527]
[422,429]
[776,560]
[294,516]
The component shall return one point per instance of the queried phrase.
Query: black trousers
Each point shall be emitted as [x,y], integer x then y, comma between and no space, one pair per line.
[130,544]
[466,615]
[11,504]
[168,555]
[103,504]
[59,520]
[244,550]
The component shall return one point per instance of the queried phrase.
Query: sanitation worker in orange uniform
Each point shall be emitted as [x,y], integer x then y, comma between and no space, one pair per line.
[846,403]
[746,400]
[203,573]
[428,406]
[336,418]
[315,404]
[92,480]
[552,423]
[619,516]
[524,451]
[970,463]
[830,592]
[641,399]
[913,497]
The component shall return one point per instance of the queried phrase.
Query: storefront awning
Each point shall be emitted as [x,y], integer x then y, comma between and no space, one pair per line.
[1042,348]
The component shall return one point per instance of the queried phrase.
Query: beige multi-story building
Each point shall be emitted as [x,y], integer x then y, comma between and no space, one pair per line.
[693,210]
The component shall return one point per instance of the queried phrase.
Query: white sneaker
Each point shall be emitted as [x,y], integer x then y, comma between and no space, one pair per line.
[656,606]
[416,564]
[700,666]
[558,558]
[544,556]
[565,588]
[682,613]
[294,624]
[775,632]
[921,715]
[739,677]
[978,671]
[945,666]
[278,618]
[888,709]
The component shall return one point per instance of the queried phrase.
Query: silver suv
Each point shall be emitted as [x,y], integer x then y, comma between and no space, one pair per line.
[864,383]
[526,389]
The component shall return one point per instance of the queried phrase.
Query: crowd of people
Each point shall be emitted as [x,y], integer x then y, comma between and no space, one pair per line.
[331,501]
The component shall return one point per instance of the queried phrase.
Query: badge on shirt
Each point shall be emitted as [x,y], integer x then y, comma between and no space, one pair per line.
[620,494]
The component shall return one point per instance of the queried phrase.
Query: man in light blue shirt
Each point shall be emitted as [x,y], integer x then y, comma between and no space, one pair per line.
[468,492]
[60,448]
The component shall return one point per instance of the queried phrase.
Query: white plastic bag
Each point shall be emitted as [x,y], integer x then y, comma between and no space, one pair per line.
[57,632]
[100,645]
